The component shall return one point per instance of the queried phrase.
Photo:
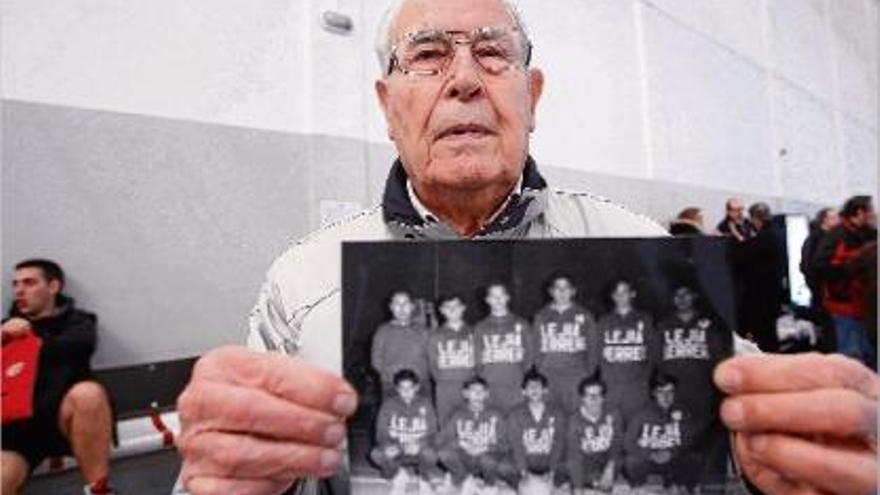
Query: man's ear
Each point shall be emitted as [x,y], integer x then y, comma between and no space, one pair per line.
[381,88]
[55,287]
[536,89]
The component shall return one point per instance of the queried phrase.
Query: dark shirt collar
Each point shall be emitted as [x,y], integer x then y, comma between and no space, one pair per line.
[523,206]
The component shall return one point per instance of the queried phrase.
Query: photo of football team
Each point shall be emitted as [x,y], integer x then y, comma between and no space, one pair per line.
[598,389]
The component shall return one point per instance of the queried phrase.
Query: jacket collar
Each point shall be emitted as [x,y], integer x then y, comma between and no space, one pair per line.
[525,204]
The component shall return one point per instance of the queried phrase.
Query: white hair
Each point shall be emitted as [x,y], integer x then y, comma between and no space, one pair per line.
[384,43]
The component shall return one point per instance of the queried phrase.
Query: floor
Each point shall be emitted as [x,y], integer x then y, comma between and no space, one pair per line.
[148,474]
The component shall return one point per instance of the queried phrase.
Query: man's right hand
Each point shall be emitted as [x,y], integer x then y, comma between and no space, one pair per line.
[14,328]
[252,423]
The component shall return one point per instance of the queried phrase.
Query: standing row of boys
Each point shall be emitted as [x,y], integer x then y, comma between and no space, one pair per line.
[581,400]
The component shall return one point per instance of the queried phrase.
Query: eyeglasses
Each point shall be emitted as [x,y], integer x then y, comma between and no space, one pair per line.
[431,51]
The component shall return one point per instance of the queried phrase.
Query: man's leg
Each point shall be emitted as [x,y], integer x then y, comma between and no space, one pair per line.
[85,420]
[452,459]
[15,472]
[389,466]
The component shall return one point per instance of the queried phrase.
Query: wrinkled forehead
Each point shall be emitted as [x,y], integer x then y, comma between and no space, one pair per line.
[450,15]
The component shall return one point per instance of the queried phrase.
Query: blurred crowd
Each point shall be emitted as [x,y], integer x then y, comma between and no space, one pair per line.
[837,261]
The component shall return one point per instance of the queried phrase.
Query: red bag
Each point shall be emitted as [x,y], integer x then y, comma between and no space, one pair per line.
[20,360]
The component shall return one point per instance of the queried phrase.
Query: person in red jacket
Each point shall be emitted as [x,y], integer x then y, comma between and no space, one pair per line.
[506,347]
[405,430]
[472,443]
[400,344]
[843,291]
[71,410]
[452,356]
[536,434]
[567,342]
[595,437]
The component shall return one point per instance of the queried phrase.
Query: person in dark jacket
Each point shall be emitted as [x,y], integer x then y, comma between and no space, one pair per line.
[843,289]
[536,434]
[405,430]
[400,344]
[759,267]
[473,442]
[71,411]
[452,356]
[626,335]
[658,438]
[506,346]
[567,347]
[735,224]
[689,222]
[826,219]
[594,440]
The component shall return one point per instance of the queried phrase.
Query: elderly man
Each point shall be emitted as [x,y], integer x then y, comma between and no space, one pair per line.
[459,97]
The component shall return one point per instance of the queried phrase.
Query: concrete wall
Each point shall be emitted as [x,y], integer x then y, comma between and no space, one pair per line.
[166,151]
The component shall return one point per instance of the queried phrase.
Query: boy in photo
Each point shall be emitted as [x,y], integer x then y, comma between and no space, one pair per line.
[405,429]
[567,342]
[535,432]
[472,443]
[595,440]
[506,348]
[400,344]
[451,356]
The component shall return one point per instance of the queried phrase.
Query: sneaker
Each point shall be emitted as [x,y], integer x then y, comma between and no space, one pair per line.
[398,483]
[99,488]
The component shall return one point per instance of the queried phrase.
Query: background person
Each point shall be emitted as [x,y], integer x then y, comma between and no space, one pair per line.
[71,411]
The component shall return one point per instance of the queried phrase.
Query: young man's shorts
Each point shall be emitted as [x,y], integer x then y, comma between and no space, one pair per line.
[36,438]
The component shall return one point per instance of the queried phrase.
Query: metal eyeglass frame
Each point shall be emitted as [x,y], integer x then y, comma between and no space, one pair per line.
[463,38]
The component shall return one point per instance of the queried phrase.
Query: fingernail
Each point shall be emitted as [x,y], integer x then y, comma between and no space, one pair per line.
[728,378]
[732,413]
[344,404]
[333,435]
[330,460]
[758,443]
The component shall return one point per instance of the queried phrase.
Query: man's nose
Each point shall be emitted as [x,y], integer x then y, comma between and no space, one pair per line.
[464,74]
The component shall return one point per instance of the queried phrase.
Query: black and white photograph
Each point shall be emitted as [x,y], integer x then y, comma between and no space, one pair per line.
[537,367]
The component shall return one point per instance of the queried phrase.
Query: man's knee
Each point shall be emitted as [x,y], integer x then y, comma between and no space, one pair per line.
[86,396]
[15,471]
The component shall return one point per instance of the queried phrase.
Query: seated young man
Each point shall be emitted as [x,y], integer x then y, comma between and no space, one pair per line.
[536,434]
[405,429]
[71,412]
[657,439]
[595,437]
[472,443]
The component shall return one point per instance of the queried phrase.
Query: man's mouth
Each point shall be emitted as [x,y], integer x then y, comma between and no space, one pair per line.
[464,131]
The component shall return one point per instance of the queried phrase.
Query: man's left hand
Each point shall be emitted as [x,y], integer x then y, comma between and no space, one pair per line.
[803,423]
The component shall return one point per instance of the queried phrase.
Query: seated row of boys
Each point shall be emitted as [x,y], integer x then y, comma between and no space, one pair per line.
[564,343]
[592,448]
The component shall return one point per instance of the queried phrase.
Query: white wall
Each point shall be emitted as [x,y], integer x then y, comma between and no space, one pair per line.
[769,97]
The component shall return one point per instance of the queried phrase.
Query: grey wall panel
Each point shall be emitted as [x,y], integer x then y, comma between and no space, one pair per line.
[167,227]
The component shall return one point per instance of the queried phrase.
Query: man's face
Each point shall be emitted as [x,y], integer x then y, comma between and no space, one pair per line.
[407,390]
[831,220]
[401,307]
[683,299]
[497,299]
[735,210]
[452,310]
[34,295]
[866,217]
[593,398]
[534,391]
[665,396]
[623,295]
[423,111]
[562,291]
[476,394]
